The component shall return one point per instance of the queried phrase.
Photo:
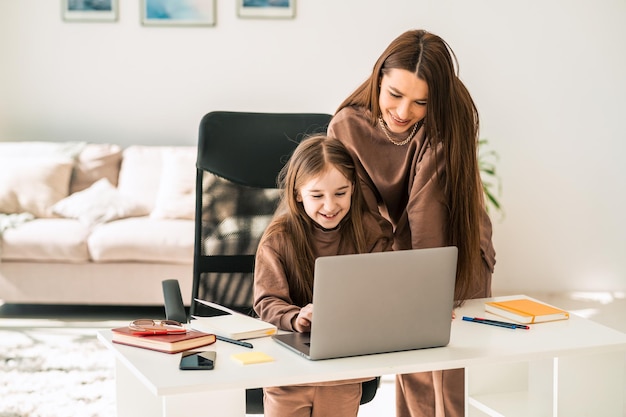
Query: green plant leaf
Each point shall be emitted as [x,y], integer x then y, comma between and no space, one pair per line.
[487,159]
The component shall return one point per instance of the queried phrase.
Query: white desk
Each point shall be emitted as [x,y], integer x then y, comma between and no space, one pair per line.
[567,368]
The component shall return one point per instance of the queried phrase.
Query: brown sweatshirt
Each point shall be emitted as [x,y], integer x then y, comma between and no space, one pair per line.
[272,298]
[400,183]
[273,301]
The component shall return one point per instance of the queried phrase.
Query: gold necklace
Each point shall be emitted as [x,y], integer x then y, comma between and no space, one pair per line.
[381,122]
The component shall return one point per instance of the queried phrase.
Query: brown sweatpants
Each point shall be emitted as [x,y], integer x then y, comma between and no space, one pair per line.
[431,394]
[438,393]
[312,400]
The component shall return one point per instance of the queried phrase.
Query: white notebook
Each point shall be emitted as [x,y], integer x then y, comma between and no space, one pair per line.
[229,323]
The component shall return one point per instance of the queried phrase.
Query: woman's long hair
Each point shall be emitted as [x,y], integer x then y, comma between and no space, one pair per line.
[452,122]
[313,157]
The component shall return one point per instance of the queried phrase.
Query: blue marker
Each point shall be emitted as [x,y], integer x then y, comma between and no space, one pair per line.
[496,323]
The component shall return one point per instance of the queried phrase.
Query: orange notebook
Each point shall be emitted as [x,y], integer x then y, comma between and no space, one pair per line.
[168,343]
[523,310]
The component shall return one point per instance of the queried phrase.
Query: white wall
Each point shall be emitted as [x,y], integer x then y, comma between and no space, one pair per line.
[547,75]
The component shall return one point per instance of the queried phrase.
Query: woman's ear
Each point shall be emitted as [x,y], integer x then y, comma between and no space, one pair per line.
[298,197]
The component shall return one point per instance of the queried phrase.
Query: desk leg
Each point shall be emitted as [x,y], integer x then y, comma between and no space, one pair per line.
[591,385]
[542,390]
[135,399]
[132,397]
[206,404]
[567,386]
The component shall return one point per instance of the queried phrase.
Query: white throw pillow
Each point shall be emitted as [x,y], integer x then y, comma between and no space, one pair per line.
[33,184]
[100,203]
[176,197]
[140,173]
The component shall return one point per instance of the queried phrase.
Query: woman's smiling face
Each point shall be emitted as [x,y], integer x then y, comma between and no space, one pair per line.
[402,99]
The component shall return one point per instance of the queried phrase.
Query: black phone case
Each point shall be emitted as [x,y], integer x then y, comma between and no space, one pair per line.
[200,362]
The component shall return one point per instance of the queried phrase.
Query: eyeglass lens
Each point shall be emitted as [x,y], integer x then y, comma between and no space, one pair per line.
[155,323]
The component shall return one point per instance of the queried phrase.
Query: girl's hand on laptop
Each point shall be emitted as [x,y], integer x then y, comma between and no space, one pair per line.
[303,321]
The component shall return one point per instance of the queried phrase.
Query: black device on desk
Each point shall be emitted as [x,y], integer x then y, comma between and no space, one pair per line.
[174,307]
[194,360]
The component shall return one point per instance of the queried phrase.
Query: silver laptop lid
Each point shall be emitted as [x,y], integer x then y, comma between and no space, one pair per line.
[382,302]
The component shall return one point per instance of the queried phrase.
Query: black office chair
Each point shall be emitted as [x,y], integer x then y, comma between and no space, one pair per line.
[239,157]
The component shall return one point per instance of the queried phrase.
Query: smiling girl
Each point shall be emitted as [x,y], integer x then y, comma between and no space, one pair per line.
[321,213]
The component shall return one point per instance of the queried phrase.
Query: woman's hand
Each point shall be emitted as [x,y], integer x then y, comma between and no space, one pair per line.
[304,318]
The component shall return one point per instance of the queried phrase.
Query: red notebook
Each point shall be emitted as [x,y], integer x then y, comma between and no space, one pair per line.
[168,343]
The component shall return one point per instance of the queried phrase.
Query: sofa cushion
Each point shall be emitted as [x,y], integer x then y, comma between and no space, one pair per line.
[63,240]
[46,180]
[143,239]
[140,173]
[176,198]
[33,184]
[100,203]
[94,162]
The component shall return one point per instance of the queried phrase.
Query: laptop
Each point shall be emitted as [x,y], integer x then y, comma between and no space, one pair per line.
[379,302]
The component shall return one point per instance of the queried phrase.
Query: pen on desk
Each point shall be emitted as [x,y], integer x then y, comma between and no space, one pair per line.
[496,323]
[235,342]
[517,326]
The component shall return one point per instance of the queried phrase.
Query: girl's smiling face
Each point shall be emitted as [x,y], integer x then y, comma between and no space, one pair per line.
[326,198]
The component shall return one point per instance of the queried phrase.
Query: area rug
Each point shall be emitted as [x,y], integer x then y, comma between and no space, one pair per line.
[54,370]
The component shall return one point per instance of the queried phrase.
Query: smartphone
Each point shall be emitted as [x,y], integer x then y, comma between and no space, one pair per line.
[196,360]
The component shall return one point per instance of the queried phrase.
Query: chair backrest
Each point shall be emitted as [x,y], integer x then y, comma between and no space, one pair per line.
[239,157]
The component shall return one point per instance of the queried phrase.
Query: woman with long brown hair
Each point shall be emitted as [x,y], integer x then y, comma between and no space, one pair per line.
[412,128]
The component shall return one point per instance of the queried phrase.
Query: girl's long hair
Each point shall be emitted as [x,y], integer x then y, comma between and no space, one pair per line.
[313,157]
[452,122]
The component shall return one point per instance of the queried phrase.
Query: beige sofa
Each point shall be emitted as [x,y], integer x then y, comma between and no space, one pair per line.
[93,223]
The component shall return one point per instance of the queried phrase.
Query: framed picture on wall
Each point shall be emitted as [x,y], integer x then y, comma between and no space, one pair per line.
[89,10]
[266,8]
[178,12]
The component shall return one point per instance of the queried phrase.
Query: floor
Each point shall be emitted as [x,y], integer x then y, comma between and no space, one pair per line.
[608,308]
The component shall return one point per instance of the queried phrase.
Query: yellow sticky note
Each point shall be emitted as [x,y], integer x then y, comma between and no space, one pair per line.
[248,358]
